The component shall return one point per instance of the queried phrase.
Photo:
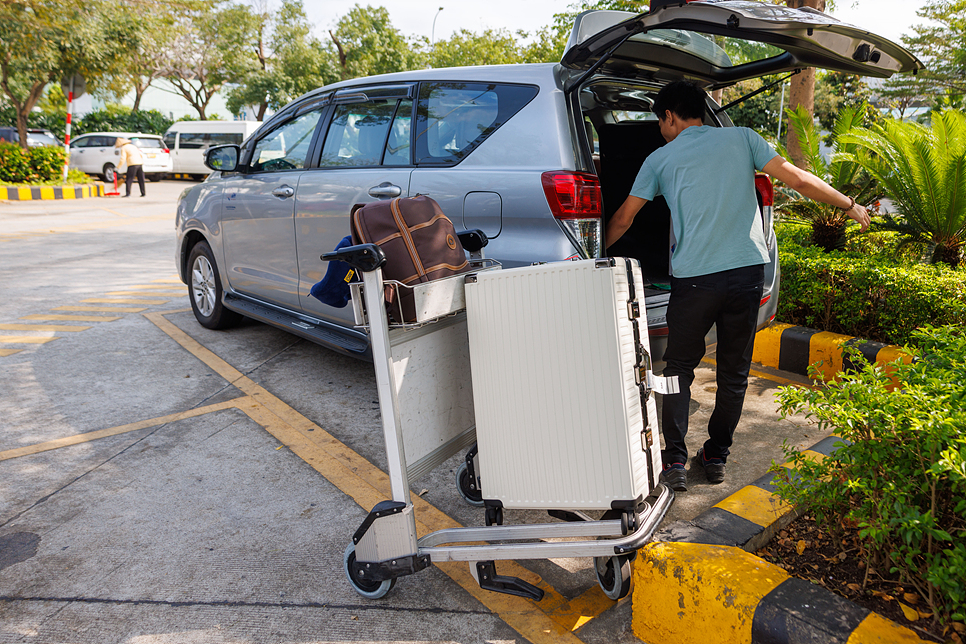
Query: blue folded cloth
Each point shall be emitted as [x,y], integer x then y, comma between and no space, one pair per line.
[334,287]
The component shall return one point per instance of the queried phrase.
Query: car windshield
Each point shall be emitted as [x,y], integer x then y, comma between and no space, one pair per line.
[147,143]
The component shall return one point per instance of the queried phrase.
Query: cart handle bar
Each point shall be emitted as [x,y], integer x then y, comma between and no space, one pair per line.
[364,257]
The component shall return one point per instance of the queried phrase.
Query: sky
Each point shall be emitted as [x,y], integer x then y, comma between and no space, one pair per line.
[889,18]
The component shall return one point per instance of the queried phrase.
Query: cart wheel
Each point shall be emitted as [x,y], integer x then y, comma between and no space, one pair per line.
[471,496]
[366,588]
[614,575]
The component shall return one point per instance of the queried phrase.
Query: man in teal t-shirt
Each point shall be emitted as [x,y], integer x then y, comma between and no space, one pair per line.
[718,253]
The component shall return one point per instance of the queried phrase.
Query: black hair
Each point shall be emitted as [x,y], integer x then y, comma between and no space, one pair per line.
[684,98]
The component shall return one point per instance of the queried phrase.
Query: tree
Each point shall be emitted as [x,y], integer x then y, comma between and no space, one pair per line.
[368,44]
[802,90]
[941,45]
[291,62]
[492,47]
[923,170]
[42,41]
[151,24]
[213,47]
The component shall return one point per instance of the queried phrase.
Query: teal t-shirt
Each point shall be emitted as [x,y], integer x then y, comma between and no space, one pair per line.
[707,176]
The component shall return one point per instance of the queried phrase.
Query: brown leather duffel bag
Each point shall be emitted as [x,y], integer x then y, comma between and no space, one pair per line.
[419,241]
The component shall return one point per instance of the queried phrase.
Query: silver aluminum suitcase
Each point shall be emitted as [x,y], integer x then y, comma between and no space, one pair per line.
[560,361]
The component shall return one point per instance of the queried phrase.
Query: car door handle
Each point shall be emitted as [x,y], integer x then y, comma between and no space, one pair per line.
[385,189]
[283,192]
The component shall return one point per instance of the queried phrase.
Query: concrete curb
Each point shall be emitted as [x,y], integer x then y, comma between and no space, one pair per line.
[34,193]
[703,585]
[793,348]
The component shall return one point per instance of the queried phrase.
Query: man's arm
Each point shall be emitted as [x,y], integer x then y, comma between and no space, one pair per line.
[622,219]
[812,187]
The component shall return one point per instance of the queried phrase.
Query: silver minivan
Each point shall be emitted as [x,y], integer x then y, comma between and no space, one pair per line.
[537,156]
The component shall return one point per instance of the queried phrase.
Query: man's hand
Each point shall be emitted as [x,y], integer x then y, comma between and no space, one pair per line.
[622,219]
[859,213]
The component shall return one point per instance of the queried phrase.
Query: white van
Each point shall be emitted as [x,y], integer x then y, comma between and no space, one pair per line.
[189,140]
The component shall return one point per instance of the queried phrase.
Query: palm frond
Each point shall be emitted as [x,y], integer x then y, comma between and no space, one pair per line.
[808,139]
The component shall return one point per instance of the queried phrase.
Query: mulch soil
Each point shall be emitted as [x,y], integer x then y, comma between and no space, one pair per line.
[837,563]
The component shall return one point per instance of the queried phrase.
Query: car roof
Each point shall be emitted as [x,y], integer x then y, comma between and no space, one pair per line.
[126,135]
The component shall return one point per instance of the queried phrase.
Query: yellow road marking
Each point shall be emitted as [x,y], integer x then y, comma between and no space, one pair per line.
[24,339]
[161,286]
[70,318]
[170,280]
[101,309]
[114,212]
[43,327]
[367,485]
[9,352]
[167,294]
[87,437]
[103,300]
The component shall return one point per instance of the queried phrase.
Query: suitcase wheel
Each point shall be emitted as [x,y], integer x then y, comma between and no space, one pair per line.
[469,490]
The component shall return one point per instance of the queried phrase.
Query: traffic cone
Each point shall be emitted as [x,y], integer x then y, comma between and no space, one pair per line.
[116,192]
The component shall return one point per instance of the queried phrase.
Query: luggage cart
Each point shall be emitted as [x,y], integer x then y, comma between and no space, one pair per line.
[428,362]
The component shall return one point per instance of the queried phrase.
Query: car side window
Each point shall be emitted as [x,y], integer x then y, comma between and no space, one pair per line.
[357,134]
[169,139]
[192,141]
[397,147]
[285,147]
[222,138]
[452,119]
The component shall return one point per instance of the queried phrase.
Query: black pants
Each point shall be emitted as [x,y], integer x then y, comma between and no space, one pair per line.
[129,179]
[730,300]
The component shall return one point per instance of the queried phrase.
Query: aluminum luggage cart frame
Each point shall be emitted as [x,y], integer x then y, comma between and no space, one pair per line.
[385,546]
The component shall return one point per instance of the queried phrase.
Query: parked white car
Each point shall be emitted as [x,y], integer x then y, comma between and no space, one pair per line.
[94,153]
[189,140]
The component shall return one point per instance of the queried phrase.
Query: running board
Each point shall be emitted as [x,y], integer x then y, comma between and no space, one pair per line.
[317,331]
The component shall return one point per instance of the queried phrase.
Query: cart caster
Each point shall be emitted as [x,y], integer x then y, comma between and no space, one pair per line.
[494,515]
[614,575]
[470,491]
[366,588]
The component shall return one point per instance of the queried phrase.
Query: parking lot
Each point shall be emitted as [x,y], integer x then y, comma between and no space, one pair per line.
[161,482]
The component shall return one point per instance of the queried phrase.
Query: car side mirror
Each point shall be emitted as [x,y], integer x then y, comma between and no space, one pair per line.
[223,158]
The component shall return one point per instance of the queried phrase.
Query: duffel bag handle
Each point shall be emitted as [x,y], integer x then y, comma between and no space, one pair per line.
[364,257]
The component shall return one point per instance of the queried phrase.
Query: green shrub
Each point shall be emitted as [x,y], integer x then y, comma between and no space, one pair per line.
[900,480]
[47,163]
[14,163]
[872,296]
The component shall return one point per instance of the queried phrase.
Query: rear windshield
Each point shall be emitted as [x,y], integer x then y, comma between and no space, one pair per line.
[147,143]
[721,51]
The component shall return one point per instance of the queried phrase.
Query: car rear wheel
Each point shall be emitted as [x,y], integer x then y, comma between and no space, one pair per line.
[109,173]
[154,177]
[204,290]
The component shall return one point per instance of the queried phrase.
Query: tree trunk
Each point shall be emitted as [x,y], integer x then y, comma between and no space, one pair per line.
[801,92]
[261,111]
[342,56]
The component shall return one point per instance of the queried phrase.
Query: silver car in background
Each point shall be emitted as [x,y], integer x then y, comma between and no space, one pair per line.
[536,156]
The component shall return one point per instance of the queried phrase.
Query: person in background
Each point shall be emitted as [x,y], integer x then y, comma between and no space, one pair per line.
[707,176]
[132,160]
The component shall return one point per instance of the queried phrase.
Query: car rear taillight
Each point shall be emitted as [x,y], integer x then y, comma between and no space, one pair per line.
[576,201]
[167,151]
[766,189]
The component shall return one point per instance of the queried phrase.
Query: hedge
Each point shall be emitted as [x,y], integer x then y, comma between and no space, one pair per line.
[34,165]
[865,294]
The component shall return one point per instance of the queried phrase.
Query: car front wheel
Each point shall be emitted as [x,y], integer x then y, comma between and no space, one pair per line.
[110,172]
[204,290]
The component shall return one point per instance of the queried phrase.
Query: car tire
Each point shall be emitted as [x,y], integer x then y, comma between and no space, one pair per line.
[204,290]
[154,177]
[109,172]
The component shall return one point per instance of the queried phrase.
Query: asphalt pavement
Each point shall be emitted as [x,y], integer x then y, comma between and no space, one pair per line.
[162,482]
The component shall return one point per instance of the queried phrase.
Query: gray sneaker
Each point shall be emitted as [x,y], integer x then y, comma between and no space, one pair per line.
[675,477]
[714,468]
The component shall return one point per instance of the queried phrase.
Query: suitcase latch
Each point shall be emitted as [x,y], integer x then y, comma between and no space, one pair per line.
[633,309]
